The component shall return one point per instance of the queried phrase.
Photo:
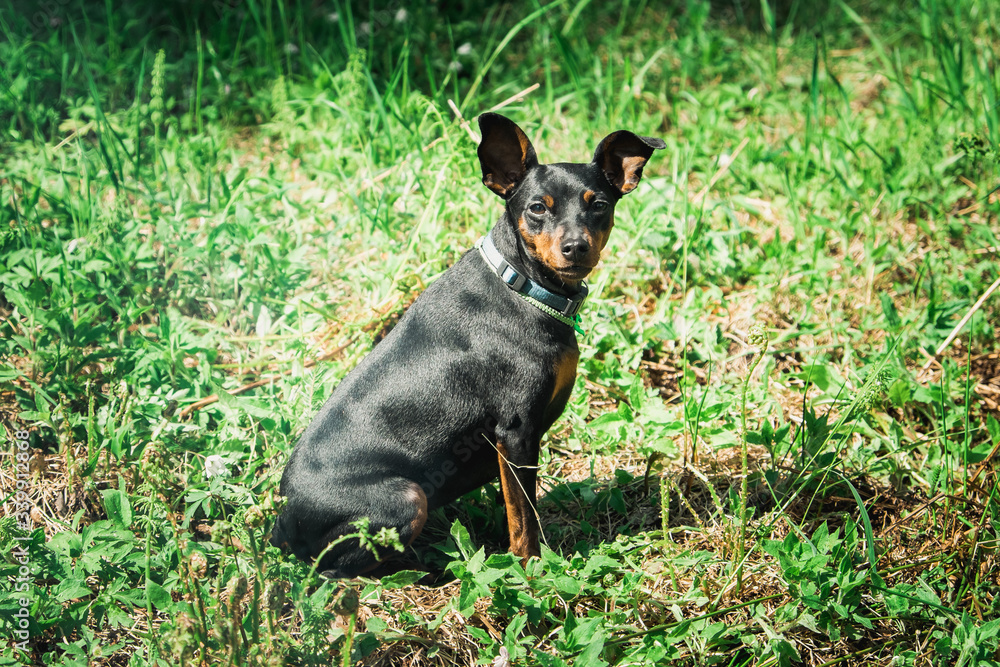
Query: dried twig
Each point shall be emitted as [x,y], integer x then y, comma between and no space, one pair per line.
[464,124]
[517,97]
[214,398]
[958,327]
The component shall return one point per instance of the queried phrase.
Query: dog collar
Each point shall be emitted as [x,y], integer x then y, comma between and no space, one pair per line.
[564,309]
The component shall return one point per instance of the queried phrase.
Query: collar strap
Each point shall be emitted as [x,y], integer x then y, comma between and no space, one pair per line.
[563,306]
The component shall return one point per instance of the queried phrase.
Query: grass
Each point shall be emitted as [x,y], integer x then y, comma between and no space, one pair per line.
[212,211]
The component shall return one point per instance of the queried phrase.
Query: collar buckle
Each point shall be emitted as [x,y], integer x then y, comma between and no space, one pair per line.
[574,305]
[572,308]
[511,276]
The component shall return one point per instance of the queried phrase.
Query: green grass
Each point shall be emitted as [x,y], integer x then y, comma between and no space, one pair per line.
[236,199]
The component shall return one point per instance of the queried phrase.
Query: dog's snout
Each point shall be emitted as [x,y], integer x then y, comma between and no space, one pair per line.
[575,249]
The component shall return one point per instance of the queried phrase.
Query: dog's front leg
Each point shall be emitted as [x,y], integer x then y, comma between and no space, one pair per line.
[517,481]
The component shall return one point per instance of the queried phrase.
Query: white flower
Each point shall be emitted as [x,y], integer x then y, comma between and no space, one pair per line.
[333,17]
[401,15]
[291,49]
[464,49]
[454,66]
[215,467]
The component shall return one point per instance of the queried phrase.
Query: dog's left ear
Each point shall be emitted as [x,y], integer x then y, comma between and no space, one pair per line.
[505,154]
[622,155]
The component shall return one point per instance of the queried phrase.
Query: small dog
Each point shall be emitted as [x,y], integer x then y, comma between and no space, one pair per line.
[463,388]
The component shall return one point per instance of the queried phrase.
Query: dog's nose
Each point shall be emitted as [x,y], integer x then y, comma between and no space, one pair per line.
[575,249]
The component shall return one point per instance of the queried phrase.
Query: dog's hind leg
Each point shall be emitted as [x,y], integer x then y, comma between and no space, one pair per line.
[405,510]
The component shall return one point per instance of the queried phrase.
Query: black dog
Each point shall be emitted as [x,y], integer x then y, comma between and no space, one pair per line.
[476,371]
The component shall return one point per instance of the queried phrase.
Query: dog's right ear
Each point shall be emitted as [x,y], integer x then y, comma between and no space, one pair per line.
[505,154]
[622,155]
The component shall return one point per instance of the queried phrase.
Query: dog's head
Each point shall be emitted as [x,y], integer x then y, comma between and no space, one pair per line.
[564,211]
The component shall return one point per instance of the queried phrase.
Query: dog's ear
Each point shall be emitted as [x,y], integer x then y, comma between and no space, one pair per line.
[505,154]
[621,156]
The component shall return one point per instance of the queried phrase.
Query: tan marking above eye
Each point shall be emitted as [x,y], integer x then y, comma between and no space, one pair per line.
[548,201]
[588,195]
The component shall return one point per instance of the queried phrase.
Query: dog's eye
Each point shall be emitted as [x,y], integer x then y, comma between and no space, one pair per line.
[537,209]
[599,206]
